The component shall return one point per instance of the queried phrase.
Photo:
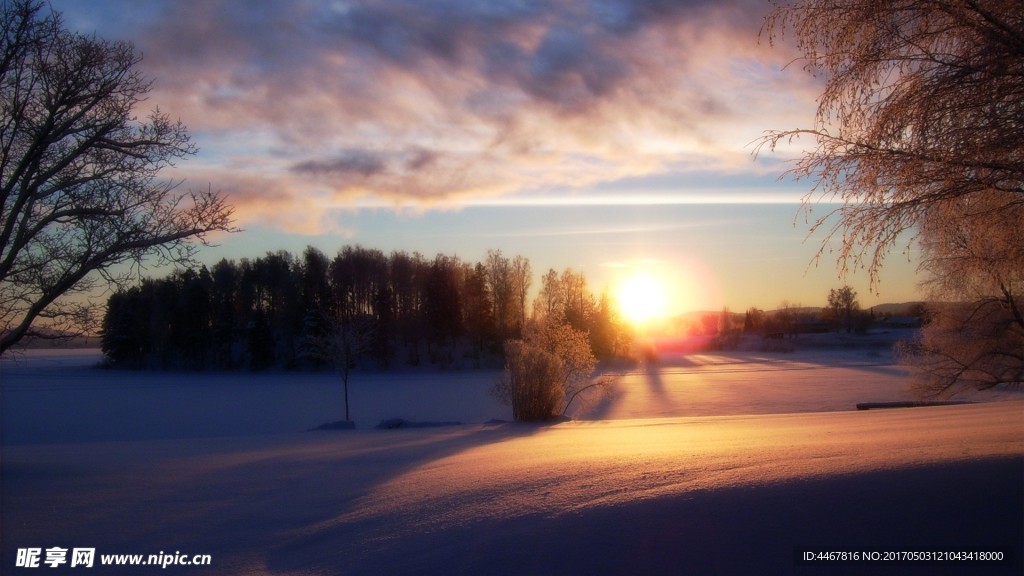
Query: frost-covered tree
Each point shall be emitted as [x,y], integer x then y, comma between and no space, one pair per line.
[974,336]
[530,383]
[572,348]
[547,371]
[919,133]
[923,105]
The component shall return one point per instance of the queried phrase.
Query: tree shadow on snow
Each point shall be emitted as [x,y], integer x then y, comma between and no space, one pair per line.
[972,505]
[237,502]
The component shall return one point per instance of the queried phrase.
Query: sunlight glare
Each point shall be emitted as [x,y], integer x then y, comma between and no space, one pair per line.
[641,298]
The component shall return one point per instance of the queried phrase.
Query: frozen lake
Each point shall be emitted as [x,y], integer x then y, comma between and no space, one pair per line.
[59,396]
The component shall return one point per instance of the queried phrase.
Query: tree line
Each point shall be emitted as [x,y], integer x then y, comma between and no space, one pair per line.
[276,310]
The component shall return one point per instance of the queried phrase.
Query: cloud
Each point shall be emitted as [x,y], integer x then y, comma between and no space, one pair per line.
[441,101]
[358,163]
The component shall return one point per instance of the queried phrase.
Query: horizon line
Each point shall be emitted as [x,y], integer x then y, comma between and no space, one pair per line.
[569,201]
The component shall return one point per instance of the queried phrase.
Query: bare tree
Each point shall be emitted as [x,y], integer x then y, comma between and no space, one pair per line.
[79,185]
[577,300]
[786,318]
[522,278]
[499,283]
[843,306]
[549,305]
[342,345]
[919,134]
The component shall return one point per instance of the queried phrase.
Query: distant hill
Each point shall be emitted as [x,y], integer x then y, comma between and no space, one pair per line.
[902,309]
[685,321]
[892,309]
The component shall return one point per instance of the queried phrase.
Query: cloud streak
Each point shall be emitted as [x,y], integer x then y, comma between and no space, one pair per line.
[307,104]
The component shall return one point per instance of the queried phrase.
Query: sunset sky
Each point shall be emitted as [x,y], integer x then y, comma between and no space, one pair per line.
[605,136]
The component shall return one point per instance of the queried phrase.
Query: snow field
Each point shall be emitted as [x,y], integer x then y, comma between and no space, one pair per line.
[640,492]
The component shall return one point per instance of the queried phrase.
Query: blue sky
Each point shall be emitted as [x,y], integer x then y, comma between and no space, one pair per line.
[604,135]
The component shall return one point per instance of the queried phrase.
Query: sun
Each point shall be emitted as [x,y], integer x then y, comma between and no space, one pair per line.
[641,298]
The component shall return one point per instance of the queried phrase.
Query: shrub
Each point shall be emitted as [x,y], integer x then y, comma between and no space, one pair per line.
[532,382]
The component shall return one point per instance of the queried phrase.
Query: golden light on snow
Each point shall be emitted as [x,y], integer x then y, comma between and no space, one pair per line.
[641,298]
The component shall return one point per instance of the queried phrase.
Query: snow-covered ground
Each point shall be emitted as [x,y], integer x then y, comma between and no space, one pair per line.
[727,464]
